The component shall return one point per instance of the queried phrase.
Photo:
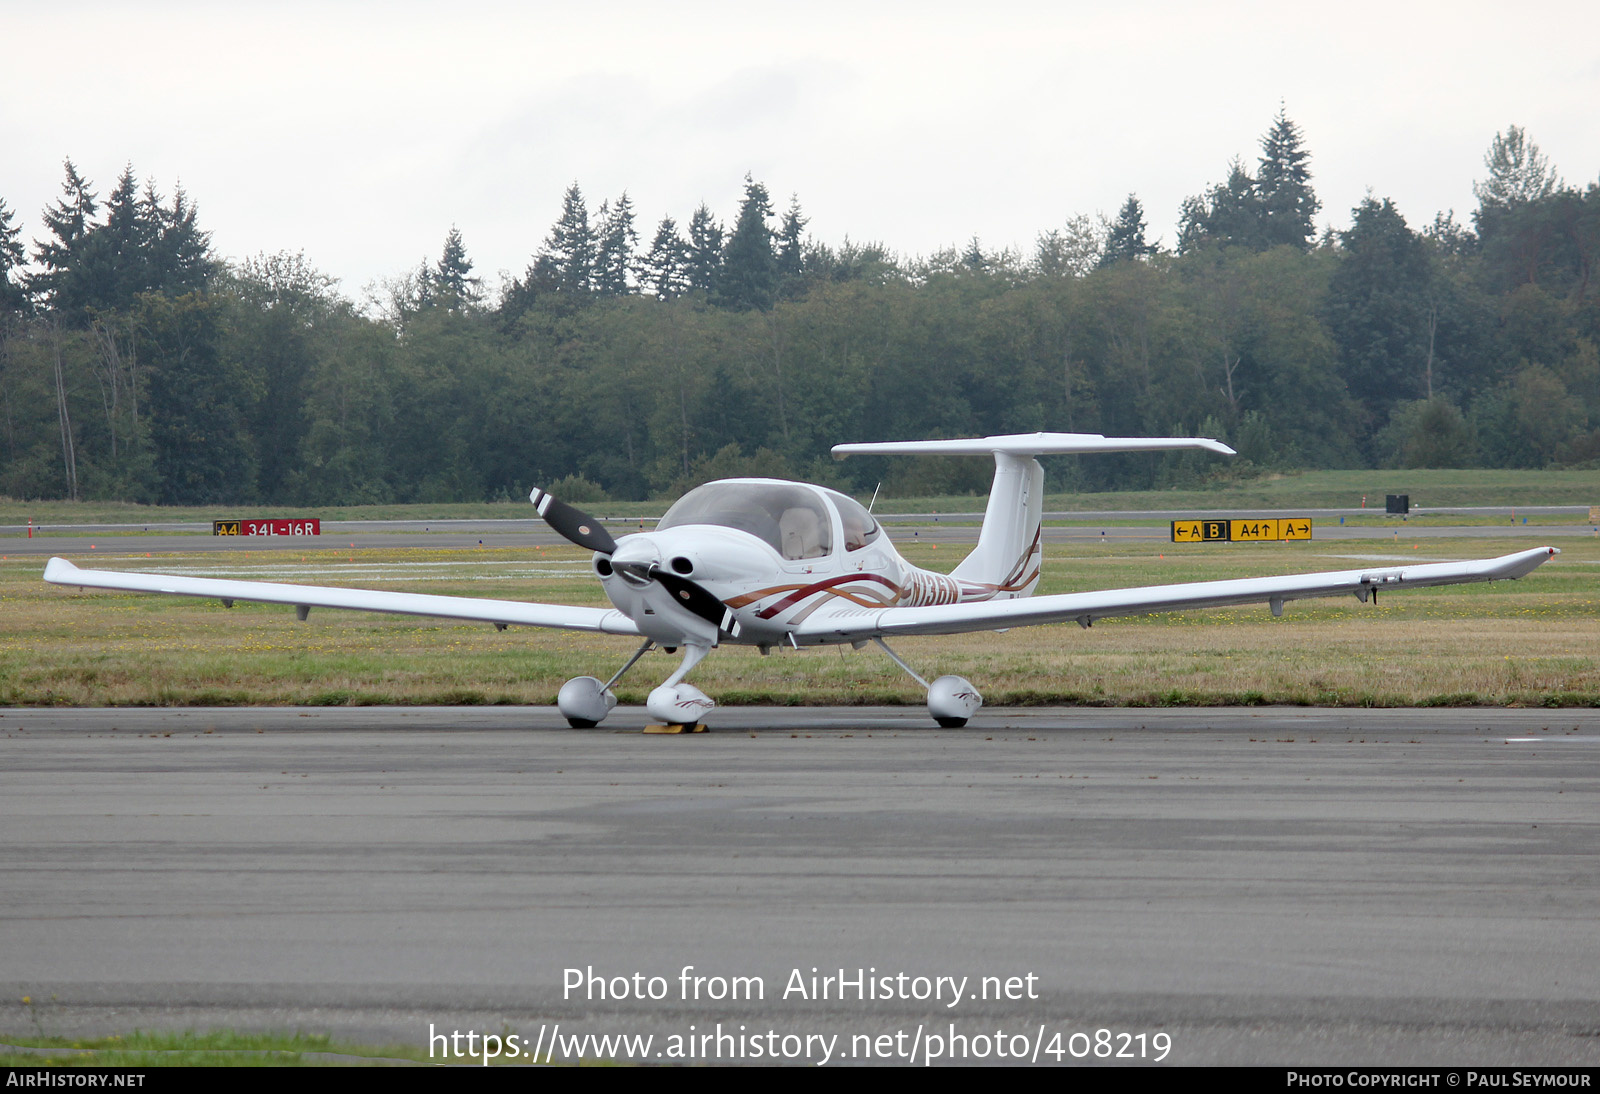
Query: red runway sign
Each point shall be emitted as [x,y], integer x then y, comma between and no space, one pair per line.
[312,527]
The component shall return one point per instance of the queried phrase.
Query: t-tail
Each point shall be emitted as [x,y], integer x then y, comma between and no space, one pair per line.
[1007,558]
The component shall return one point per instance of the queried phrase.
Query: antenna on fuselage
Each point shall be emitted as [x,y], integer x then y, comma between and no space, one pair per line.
[874,500]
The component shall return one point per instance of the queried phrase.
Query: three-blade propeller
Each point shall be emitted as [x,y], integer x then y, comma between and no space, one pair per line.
[580,528]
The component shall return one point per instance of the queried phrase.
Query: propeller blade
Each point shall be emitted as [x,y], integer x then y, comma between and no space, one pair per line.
[698,600]
[574,524]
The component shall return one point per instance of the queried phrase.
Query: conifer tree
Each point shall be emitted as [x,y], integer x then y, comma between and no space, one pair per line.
[791,249]
[973,257]
[114,266]
[615,245]
[69,221]
[705,251]
[13,293]
[1275,208]
[664,271]
[1286,203]
[182,261]
[569,254]
[1234,212]
[451,282]
[1125,238]
[749,277]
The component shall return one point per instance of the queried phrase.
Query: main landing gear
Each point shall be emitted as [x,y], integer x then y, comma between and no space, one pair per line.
[585,701]
[951,699]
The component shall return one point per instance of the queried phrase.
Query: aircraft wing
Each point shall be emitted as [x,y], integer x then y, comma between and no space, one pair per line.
[848,623]
[305,597]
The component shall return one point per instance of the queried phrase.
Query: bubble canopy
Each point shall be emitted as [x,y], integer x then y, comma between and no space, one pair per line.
[792,519]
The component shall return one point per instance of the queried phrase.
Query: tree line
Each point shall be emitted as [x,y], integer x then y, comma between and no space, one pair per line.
[137,364]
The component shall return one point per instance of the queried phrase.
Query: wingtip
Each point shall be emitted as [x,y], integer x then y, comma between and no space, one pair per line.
[58,568]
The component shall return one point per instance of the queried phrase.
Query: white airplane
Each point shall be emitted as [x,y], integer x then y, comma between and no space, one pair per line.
[765,562]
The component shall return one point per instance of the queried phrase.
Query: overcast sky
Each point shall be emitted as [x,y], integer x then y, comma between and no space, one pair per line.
[359,133]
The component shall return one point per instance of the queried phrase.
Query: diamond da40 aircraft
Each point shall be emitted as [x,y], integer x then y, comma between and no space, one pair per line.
[766,562]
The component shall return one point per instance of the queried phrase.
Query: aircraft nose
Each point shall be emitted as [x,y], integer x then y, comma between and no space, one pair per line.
[635,557]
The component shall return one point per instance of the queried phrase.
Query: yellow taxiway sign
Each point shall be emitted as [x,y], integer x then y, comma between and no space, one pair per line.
[1267,529]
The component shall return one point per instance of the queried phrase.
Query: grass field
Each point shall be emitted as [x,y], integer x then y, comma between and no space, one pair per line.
[1529,642]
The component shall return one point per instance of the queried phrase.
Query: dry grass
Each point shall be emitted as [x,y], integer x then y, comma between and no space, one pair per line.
[1524,643]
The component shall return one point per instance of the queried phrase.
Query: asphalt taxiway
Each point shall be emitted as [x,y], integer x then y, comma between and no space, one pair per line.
[1294,886]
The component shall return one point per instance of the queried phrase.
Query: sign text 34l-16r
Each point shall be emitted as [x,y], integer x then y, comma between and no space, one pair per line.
[312,527]
[1241,531]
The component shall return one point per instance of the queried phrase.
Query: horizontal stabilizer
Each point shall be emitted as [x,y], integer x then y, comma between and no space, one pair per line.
[1029,444]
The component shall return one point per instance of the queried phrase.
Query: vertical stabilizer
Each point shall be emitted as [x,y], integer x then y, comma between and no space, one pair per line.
[1008,552]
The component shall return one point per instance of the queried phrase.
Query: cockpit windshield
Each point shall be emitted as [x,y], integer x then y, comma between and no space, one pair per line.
[788,516]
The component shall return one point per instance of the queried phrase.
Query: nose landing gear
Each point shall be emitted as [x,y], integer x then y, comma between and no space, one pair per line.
[584,701]
[677,703]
